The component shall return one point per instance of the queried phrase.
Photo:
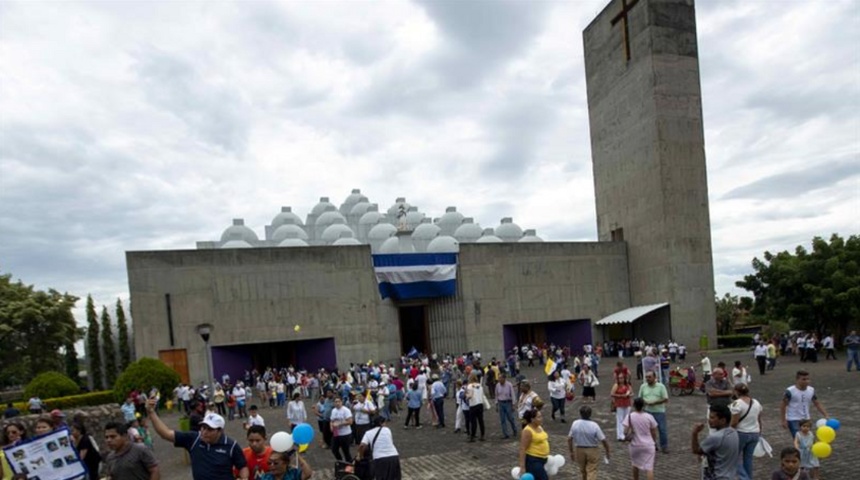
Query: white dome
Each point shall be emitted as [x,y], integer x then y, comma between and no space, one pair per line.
[238,231]
[530,236]
[289,231]
[286,217]
[426,231]
[353,199]
[372,217]
[450,221]
[488,237]
[236,244]
[413,218]
[382,230]
[322,206]
[392,245]
[444,244]
[330,217]
[333,232]
[509,231]
[361,208]
[469,231]
[395,209]
[293,242]
[346,241]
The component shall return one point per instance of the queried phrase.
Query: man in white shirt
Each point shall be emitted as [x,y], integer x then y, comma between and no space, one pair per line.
[829,347]
[240,394]
[761,357]
[583,440]
[795,403]
[362,409]
[341,421]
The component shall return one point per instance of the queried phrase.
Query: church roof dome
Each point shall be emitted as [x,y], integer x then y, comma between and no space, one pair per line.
[488,237]
[444,244]
[372,216]
[333,232]
[426,230]
[353,199]
[289,231]
[450,221]
[530,236]
[361,208]
[322,206]
[382,230]
[329,217]
[509,231]
[238,231]
[346,241]
[468,231]
[413,218]
[286,217]
[392,245]
[293,242]
[236,244]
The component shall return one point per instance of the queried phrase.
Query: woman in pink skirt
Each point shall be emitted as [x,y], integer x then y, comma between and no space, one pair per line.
[640,429]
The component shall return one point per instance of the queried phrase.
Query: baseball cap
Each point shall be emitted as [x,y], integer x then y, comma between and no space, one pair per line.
[58,413]
[213,420]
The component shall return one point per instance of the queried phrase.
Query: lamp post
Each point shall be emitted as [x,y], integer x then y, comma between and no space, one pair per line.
[204,330]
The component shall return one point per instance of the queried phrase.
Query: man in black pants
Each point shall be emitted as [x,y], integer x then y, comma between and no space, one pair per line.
[341,428]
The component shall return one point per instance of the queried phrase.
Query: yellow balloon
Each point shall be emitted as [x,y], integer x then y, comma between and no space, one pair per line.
[821,450]
[297,328]
[304,447]
[825,434]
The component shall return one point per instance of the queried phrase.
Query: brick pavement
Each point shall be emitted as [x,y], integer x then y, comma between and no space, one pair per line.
[429,454]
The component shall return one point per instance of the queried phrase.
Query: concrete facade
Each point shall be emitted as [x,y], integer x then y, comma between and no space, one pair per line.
[647,142]
[258,295]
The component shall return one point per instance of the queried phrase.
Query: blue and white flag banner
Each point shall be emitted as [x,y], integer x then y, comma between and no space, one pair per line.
[405,276]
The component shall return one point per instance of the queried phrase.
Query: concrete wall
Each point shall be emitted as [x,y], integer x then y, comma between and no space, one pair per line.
[645,117]
[258,295]
[538,282]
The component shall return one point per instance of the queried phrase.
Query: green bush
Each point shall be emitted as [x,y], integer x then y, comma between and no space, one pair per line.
[83,400]
[144,374]
[51,385]
[735,341]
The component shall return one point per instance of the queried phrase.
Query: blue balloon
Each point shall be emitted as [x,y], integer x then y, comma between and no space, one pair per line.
[303,434]
[833,423]
[527,476]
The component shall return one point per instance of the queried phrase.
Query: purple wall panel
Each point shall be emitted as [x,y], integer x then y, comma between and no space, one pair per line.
[510,338]
[233,360]
[316,354]
[571,333]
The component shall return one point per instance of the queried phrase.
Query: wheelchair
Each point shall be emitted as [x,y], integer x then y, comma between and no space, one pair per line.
[352,471]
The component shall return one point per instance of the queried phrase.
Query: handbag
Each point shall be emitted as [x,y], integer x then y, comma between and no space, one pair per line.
[487,404]
[594,381]
[762,448]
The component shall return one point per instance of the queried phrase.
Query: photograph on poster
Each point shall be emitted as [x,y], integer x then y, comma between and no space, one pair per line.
[46,457]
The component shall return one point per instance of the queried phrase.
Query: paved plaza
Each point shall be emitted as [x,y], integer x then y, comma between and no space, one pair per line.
[429,454]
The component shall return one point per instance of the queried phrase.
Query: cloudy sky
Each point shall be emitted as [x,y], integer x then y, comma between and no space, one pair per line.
[144,125]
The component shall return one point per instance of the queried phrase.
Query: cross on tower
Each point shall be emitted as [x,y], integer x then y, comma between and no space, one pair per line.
[622,16]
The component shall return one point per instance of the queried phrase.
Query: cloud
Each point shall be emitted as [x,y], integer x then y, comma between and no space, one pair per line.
[799,182]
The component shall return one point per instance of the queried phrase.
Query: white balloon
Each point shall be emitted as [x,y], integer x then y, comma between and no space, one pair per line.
[559,460]
[515,473]
[281,442]
[552,471]
[550,462]
[821,423]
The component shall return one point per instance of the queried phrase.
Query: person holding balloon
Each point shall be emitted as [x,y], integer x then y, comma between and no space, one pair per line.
[283,467]
[534,447]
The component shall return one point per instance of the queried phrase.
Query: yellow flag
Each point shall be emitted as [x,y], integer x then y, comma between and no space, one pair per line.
[549,367]
[367,395]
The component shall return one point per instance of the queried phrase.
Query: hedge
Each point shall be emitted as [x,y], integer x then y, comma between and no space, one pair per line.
[735,341]
[93,399]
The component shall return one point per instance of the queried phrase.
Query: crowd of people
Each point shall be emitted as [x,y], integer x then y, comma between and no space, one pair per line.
[354,409]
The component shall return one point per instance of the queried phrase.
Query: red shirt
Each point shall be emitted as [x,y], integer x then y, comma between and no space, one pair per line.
[257,464]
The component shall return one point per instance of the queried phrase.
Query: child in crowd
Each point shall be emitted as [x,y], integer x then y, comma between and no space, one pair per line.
[789,468]
[803,442]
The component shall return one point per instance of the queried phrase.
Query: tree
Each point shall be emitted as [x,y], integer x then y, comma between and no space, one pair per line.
[122,336]
[108,349]
[70,361]
[817,291]
[143,375]
[51,385]
[93,352]
[34,326]
[728,314]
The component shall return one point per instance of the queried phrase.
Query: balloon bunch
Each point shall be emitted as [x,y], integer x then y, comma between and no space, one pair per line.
[552,466]
[302,436]
[826,433]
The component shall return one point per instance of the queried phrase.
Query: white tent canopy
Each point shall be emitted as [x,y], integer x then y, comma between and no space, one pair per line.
[630,315]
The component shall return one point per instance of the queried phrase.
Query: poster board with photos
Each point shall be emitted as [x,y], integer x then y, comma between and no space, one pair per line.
[47,457]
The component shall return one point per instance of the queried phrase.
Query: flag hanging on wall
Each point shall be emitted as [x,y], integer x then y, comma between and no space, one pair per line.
[404,276]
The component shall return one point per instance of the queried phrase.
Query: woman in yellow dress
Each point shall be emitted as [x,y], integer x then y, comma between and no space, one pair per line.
[534,446]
